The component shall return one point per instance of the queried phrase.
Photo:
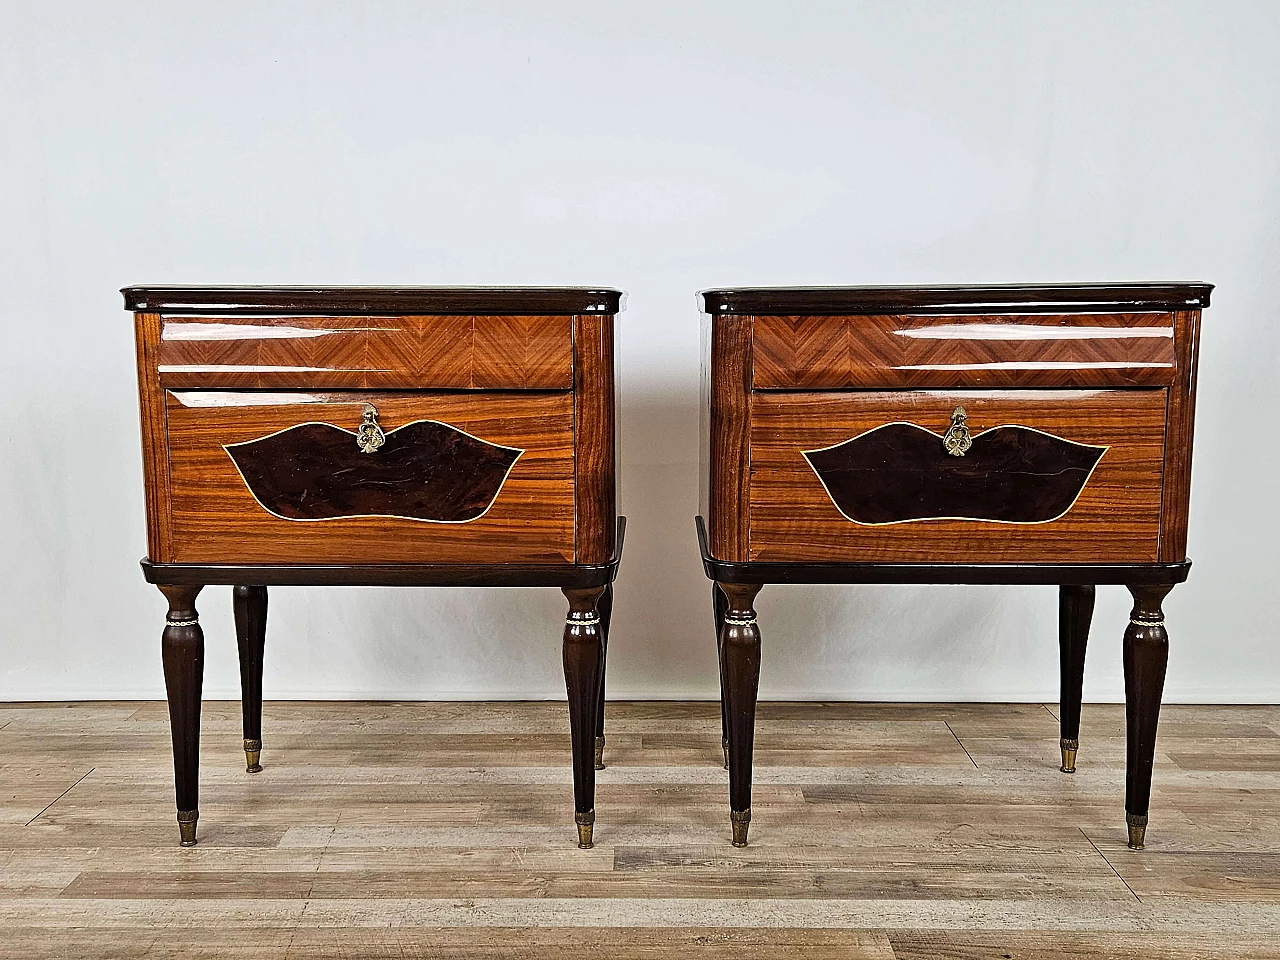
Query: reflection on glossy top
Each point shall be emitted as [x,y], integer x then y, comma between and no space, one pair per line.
[1010,298]
[339,301]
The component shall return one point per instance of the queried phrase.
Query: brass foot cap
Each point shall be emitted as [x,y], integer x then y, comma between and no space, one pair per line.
[1137,830]
[741,820]
[724,744]
[599,753]
[187,827]
[252,756]
[1069,748]
[586,825]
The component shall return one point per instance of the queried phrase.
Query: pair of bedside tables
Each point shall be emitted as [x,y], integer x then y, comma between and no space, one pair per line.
[467,437]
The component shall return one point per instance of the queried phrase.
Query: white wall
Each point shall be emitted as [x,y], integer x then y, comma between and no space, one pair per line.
[660,147]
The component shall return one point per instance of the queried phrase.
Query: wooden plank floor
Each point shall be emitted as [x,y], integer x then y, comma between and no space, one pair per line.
[445,830]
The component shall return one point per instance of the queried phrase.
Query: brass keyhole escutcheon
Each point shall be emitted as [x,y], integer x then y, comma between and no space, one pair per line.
[369,438]
[957,441]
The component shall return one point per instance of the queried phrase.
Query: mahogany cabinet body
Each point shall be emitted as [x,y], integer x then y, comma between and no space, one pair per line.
[1019,434]
[424,436]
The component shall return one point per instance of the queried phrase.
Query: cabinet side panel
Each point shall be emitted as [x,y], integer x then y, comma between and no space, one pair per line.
[155,459]
[704,419]
[595,432]
[730,447]
[1179,426]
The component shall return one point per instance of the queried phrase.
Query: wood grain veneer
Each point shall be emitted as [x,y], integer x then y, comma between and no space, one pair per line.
[369,352]
[216,519]
[1180,430]
[727,454]
[902,351]
[1116,517]
[155,460]
[595,437]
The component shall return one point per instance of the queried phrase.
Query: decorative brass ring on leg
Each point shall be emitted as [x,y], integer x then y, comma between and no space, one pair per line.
[187,827]
[253,756]
[724,745]
[1137,830]
[741,820]
[586,824]
[1069,748]
[599,757]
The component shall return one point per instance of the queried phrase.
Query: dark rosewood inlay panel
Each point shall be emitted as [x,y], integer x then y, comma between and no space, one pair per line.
[901,472]
[423,471]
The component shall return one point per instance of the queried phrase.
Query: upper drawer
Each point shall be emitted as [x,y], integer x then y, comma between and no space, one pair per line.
[381,353]
[1004,350]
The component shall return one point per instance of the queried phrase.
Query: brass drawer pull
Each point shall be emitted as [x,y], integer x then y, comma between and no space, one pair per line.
[957,441]
[370,436]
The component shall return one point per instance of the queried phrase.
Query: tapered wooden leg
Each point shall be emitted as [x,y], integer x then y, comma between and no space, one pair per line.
[719,604]
[605,607]
[740,681]
[182,649]
[251,634]
[583,660]
[1075,611]
[1146,654]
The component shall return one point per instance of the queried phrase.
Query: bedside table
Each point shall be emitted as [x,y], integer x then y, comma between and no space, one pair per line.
[410,436]
[1007,434]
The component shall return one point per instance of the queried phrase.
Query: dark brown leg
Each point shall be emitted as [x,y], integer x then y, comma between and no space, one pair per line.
[182,648]
[605,607]
[1075,611]
[1146,654]
[583,659]
[251,634]
[719,604]
[740,680]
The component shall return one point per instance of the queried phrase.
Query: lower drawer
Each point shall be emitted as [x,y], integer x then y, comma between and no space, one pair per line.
[1034,476]
[371,477]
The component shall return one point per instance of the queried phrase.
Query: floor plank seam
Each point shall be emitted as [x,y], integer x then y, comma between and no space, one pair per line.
[1132,892]
[60,796]
[962,746]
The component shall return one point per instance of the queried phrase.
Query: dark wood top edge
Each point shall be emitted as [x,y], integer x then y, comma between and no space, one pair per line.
[994,573]
[392,574]
[425,301]
[1050,298]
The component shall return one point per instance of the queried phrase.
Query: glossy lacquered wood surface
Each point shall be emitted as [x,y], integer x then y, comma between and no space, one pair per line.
[726,453]
[962,298]
[844,571]
[1115,519]
[1179,431]
[477,574]
[897,351]
[371,352]
[216,518]
[487,301]
[155,452]
[595,437]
